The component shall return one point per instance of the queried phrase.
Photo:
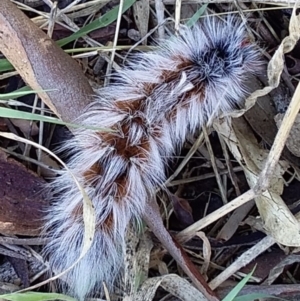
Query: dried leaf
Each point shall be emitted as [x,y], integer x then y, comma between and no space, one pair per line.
[27,127]
[174,284]
[182,210]
[279,222]
[136,267]
[22,204]
[279,268]
[206,252]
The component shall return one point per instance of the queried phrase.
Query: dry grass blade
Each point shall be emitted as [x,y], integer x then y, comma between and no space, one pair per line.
[191,152]
[243,260]
[190,231]
[214,166]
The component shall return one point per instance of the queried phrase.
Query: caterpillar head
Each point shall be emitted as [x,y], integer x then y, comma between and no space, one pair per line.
[226,53]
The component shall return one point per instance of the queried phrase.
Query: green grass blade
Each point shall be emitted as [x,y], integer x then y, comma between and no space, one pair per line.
[34,296]
[21,92]
[233,293]
[10,113]
[196,15]
[255,296]
[5,65]
[103,21]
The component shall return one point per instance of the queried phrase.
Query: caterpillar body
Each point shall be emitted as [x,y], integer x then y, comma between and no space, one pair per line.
[151,105]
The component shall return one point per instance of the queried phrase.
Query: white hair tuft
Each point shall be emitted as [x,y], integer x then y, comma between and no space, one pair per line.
[151,106]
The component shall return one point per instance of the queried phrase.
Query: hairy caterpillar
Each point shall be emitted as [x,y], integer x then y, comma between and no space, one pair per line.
[151,105]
